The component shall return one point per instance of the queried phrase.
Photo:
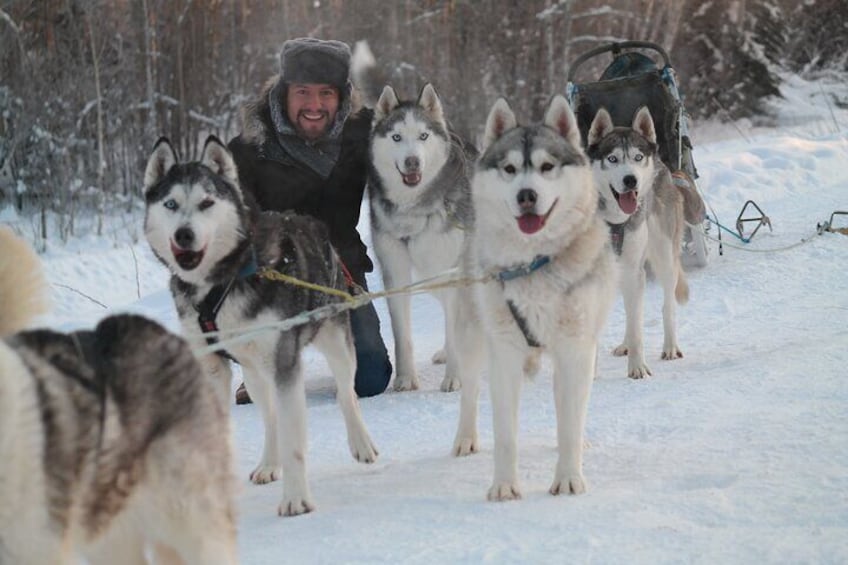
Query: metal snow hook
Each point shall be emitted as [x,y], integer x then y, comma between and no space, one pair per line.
[828,225]
[761,220]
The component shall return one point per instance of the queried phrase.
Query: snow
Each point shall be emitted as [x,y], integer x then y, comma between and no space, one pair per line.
[734,454]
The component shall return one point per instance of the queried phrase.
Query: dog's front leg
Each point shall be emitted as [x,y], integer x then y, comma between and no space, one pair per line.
[397,273]
[468,339]
[259,381]
[451,381]
[506,373]
[574,370]
[291,427]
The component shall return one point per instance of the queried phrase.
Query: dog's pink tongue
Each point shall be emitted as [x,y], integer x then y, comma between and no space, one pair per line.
[530,223]
[627,201]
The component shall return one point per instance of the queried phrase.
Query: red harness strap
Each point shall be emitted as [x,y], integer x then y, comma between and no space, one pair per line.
[348,277]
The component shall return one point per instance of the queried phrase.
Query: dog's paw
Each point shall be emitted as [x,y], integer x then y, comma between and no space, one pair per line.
[463,446]
[639,371]
[671,354]
[362,448]
[450,384]
[406,383]
[264,474]
[440,357]
[500,492]
[568,485]
[295,506]
[620,351]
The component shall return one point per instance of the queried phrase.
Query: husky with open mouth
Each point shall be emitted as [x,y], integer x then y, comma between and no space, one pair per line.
[646,215]
[199,224]
[551,282]
[421,213]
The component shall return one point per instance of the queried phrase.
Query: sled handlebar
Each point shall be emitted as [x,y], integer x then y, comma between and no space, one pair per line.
[616,49]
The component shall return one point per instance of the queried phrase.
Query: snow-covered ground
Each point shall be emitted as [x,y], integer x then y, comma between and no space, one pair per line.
[737,453]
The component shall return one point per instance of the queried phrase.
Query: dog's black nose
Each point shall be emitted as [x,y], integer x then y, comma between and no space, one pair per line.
[184,237]
[630,182]
[526,198]
[411,164]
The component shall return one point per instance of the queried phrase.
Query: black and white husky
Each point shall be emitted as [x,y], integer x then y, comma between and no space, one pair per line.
[646,215]
[539,236]
[198,224]
[421,213]
[114,443]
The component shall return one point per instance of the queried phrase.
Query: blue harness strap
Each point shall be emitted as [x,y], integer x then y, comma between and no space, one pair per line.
[537,263]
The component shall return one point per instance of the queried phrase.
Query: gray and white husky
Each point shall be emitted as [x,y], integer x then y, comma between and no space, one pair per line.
[539,236]
[421,213]
[199,225]
[646,215]
[114,443]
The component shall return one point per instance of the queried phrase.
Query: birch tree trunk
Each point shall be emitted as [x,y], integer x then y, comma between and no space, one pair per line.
[101,157]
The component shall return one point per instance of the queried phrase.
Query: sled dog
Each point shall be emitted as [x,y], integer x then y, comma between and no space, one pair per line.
[199,224]
[552,279]
[114,443]
[646,215]
[420,213]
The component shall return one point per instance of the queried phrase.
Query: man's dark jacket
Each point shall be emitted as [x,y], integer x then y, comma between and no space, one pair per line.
[278,182]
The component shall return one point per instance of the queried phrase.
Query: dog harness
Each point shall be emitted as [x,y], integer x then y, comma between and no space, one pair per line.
[207,310]
[522,271]
[617,237]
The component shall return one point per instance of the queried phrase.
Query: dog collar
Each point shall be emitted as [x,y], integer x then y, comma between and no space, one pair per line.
[522,271]
[537,263]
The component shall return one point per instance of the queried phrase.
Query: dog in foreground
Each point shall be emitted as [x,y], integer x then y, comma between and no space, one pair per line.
[114,443]
[538,233]
[200,226]
[646,214]
[421,213]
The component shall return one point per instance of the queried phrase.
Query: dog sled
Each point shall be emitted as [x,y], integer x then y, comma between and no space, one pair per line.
[634,79]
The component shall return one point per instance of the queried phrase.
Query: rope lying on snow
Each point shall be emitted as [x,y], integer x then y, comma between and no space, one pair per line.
[820,229]
[803,241]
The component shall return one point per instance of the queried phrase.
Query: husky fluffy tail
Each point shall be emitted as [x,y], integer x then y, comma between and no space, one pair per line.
[22,284]
[367,77]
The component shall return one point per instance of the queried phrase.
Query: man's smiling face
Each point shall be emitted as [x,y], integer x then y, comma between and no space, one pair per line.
[312,108]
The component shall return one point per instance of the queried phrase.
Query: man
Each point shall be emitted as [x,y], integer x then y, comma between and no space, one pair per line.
[303,148]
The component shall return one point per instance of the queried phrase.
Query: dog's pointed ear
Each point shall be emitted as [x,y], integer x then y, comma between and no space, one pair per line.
[160,162]
[601,126]
[643,123]
[217,157]
[387,102]
[432,105]
[501,119]
[561,119]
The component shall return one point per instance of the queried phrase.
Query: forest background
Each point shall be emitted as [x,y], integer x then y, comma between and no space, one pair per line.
[86,87]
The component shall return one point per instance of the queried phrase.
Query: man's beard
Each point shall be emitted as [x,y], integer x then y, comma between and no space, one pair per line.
[310,134]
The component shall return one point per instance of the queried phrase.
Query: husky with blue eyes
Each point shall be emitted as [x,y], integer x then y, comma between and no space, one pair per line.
[646,214]
[200,226]
[550,282]
[421,213]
